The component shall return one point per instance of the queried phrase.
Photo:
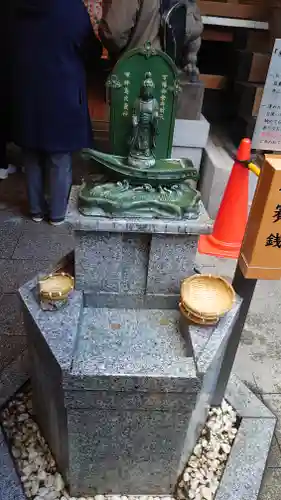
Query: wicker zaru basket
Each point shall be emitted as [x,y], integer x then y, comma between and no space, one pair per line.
[206,298]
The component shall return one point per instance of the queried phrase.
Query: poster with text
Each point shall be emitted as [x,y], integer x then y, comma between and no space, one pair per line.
[267,133]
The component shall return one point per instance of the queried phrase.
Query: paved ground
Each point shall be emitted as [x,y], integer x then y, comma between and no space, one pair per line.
[258,359]
[26,247]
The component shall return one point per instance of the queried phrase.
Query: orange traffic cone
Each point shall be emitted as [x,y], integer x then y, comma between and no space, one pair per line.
[230,224]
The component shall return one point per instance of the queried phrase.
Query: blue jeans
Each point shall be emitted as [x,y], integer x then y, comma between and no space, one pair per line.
[54,170]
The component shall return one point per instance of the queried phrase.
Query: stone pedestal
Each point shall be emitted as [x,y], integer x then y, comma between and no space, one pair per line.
[120,391]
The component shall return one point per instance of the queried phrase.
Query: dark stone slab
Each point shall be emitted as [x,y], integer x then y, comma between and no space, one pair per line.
[51,247]
[11,319]
[10,487]
[190,99]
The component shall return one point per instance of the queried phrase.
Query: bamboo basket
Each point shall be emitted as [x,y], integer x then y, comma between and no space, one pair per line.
[54,290]
[206,298]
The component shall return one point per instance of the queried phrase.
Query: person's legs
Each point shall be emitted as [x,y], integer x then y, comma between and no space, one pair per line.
[59,167]
[35,184]
[3,158]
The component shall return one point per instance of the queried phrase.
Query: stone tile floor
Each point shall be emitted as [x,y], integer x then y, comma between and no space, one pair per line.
[26,248]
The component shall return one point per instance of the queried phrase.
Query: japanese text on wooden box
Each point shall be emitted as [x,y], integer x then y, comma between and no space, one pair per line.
[261,249]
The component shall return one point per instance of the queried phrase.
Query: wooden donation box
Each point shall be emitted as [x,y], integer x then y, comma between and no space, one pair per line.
[260,256]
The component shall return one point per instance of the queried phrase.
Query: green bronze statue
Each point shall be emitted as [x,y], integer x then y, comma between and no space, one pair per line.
[140,179]
[145,126]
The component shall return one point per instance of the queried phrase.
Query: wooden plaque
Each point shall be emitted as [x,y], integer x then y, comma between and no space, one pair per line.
[260,256]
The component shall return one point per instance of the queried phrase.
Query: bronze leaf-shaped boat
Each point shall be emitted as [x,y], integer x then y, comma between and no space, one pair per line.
[165,172]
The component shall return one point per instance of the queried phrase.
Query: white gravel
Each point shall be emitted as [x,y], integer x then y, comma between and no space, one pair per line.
[42,481]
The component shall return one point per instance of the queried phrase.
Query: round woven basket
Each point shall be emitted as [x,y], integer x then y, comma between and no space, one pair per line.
[194,318]
[56,286]
[207,296]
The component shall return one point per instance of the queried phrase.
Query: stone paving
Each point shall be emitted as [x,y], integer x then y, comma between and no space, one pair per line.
[26,248]
[258,359]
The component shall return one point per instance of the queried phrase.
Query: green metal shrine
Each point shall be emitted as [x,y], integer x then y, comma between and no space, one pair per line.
[140,178]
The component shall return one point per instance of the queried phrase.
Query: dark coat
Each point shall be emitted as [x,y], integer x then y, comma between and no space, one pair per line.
[128,24]
[50,107]
[5,70]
